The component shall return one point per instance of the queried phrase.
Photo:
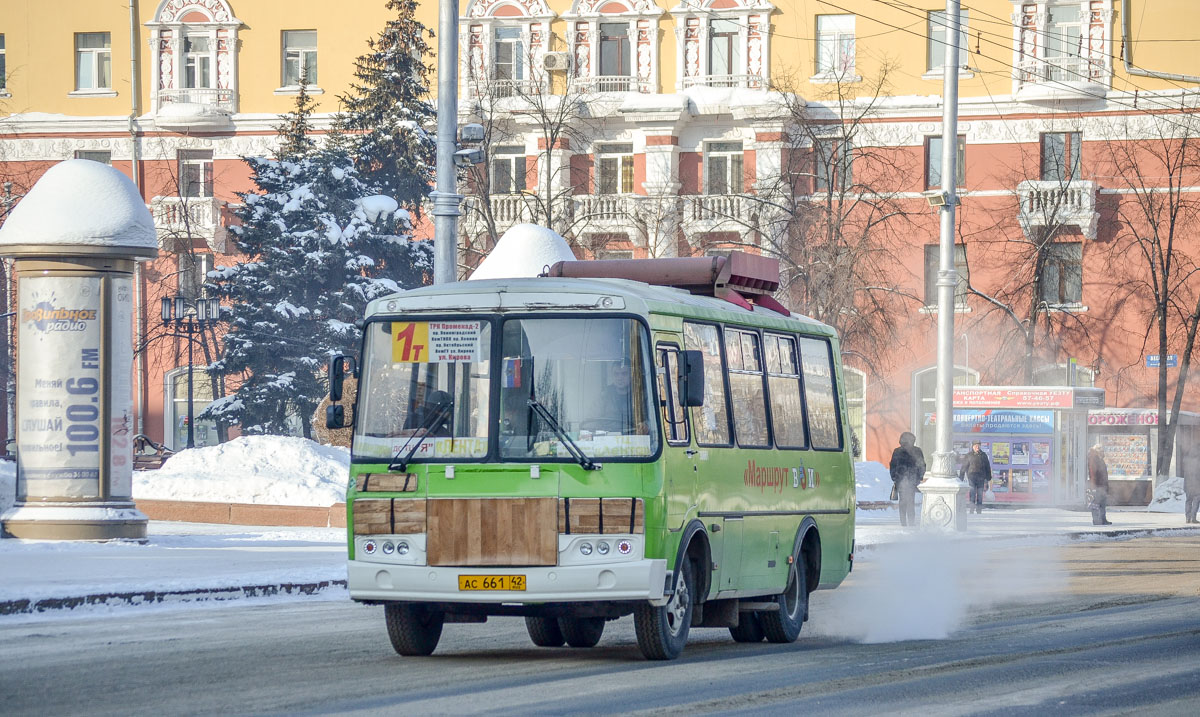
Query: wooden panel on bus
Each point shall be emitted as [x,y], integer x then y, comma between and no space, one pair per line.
[389,516]
[386,483]
[619,516]
[492,531]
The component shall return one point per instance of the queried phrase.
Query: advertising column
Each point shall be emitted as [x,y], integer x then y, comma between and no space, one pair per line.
[74,406]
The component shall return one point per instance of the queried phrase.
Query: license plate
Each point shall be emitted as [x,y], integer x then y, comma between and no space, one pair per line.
[491,582]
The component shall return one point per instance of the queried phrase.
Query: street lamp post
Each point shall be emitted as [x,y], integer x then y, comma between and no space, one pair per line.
[190,320]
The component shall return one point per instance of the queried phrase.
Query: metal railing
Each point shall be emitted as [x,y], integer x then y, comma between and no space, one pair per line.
[217,97]
[749,81]
[198,217]
[613,83]
[1073,69]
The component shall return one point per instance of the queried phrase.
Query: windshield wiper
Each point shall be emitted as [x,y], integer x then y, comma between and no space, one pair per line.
[444,404]
[573,448]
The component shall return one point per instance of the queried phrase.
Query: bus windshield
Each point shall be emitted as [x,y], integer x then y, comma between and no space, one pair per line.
[426,389]
[590,374]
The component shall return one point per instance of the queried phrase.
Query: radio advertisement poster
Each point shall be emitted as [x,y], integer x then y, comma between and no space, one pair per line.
[58,408]
[121,391]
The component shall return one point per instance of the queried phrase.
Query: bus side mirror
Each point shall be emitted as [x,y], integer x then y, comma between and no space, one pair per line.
[335,416]
[337,375]
[691,378]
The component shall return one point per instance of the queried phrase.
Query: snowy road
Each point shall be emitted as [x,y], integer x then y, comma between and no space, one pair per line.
[1104,627]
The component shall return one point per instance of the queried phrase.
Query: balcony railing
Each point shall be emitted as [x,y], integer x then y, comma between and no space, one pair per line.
[613,83]
[717,208]
[217,97]
[186,218]
[1057,78]
[750,81]
[496,88]
[1055,204]
[506,210]
[620,208]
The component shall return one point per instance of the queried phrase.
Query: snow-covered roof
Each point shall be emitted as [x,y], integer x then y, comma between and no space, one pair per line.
[84,204]
[524,250]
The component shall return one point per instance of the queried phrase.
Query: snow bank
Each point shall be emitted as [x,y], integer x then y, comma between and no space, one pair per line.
[1168,496]
[525,250]
[872,482]
[8,484]
[80,202]
[269,470]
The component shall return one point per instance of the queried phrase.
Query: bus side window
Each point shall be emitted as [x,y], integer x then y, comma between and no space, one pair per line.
[710,421]
[747,390]
[674,417]
[824,426]
[783,379]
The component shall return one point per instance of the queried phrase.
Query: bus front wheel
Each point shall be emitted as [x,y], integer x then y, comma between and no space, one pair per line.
[413,630]
[783,625]
[544,631]
[663,631]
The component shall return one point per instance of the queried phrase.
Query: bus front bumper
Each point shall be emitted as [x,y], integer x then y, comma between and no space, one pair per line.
[626,580]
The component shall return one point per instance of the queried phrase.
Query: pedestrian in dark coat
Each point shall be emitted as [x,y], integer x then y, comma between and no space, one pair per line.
[977,469]
[1098,485]
[907,469]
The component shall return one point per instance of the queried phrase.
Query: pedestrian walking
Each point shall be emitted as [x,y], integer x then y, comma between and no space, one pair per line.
[1097,493]
[1191,484]
[977,469]
[907,469]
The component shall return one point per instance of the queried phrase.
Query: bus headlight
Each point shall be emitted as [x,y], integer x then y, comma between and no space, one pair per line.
[402,548]
[602,548]
[585,548]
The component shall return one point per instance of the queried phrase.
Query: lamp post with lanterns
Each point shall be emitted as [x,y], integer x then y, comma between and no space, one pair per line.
[190,318]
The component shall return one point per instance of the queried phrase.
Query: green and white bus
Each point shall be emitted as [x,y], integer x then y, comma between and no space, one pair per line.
[574,450]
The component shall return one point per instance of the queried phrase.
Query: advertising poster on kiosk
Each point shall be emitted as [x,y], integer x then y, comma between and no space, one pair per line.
[1019,445]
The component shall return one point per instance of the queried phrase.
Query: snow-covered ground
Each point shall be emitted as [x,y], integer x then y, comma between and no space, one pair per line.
[872,482]
[267,470]
[1168,496]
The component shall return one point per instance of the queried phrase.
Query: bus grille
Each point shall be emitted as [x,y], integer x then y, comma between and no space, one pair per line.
[493,531]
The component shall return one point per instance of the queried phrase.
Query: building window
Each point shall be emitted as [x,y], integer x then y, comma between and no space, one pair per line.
[834,163]
[3,69]
[195,173]
[724,46]
[615,63]
[1064,374]
[856,409]
[724,168]
[101,156]
[835,44]
[933,161]
[193,273]
[1061,152]
[933,263]
[616,169]
[924,406]
[299,57]
[508,170]
[938,34]
[93,61]
[1062,277]
[508,55]
[197,62]
[1064,44]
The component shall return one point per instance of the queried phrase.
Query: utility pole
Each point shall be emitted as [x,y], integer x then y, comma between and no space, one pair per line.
[943,506]
[446,199]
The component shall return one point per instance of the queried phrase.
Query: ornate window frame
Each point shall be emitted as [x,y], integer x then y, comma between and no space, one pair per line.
[583,33]
[1030,24]
[692,23]
[476,37]
[172,20]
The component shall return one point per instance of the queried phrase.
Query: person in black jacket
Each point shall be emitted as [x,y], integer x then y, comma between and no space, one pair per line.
[907,469]
[1097,492]
[977,469]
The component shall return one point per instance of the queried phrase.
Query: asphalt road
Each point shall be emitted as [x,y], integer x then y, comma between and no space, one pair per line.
[1107,627]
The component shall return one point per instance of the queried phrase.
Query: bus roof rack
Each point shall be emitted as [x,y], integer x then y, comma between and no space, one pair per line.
[739,278]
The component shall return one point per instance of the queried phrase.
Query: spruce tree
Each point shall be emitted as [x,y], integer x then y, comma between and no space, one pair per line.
[319,243]
[387,108]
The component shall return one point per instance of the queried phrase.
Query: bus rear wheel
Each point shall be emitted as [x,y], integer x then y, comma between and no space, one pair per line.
[662,631]
[544,631]
[413,630]
[783,625]
[581,631]
[749,628]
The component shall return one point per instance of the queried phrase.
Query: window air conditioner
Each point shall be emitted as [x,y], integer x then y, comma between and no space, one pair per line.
[556,61]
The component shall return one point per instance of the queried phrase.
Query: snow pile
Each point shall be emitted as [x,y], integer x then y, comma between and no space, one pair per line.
[269,470]
[872,482]
[8,484]
[525,250]
[375,206]
[80,202]
[1168,496]
[927,587]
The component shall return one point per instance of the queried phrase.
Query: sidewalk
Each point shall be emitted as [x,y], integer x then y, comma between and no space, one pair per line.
[196,562]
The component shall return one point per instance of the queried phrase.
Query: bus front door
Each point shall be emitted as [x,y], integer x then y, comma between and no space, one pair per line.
[679,458]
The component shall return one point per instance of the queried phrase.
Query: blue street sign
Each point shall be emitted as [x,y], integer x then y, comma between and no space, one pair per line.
[1152,360]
